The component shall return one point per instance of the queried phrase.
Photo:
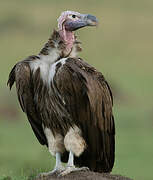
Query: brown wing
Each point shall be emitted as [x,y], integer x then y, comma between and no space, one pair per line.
[89,101]
[21,74]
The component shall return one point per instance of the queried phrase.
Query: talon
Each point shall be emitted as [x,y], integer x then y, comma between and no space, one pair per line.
[70,169]
[54,171]
[85,169]
[66,171]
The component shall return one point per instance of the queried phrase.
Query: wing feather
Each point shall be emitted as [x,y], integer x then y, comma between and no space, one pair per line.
[89,101]
[21,74]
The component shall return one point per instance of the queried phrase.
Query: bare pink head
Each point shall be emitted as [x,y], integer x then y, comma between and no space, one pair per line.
[70,21]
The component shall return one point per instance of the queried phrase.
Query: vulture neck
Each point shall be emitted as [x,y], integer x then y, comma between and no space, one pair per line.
[68,38]
[57,47]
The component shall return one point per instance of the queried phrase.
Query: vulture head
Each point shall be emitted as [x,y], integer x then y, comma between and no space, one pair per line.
[70,21]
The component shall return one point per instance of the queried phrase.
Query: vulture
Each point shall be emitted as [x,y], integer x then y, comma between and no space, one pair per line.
[68,102]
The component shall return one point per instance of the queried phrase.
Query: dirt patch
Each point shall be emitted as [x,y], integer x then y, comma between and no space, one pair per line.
[85,175]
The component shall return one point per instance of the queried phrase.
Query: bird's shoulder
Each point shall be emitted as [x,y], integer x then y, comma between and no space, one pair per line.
[77,65]
[77,68]
[21,71]
[78,74]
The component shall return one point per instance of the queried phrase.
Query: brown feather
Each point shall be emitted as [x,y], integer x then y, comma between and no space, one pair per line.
[89,102]
[77,95]
[21,74]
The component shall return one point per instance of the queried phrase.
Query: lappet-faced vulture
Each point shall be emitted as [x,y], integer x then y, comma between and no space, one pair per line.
[67,101]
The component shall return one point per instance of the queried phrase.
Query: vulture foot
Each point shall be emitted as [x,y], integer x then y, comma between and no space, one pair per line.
[54,171]
[70,169]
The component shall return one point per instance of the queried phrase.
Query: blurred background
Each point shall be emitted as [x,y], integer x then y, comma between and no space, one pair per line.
[121,48]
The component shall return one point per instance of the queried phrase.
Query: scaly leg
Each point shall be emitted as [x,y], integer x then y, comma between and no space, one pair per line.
[70,166]
[57,169]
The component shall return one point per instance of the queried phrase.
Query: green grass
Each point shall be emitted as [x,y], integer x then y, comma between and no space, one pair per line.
[121,48]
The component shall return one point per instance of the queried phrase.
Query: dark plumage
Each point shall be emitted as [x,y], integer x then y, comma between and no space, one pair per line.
[64,98]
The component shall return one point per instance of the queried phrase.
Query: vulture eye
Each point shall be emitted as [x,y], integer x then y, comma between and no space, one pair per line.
[73,16]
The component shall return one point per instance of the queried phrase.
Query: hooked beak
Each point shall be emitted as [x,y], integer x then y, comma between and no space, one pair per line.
[91,20]
[84,20]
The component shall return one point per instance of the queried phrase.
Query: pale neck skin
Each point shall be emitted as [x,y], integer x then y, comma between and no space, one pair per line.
[68,38]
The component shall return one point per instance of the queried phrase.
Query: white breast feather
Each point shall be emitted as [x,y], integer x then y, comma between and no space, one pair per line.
[53,69]
[47,66]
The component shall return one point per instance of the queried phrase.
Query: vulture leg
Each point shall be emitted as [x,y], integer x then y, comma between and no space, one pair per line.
[70,166]
[57,169]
